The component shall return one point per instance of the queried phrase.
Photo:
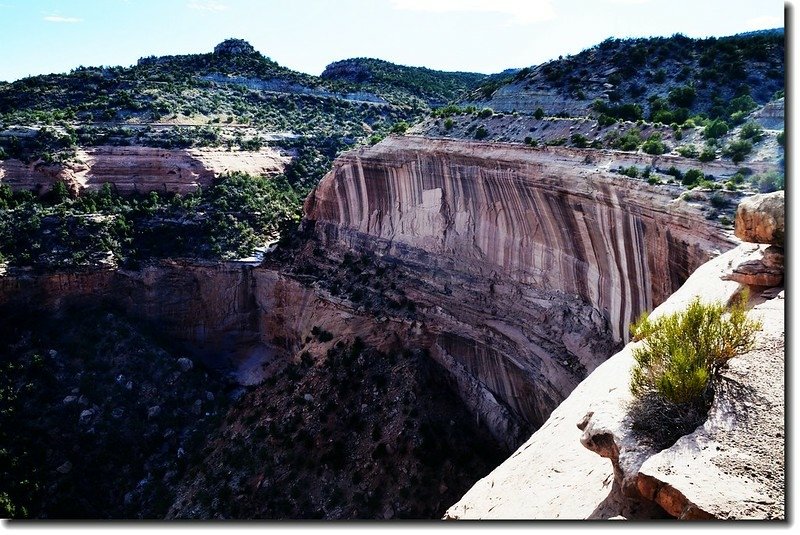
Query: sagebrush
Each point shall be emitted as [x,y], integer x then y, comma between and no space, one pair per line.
[680,355]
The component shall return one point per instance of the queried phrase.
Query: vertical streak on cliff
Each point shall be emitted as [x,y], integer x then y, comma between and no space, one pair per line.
[558,235]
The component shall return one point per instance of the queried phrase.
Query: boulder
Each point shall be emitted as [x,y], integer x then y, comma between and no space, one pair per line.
[760,219]
[185,364]
[64,468]
[755,273]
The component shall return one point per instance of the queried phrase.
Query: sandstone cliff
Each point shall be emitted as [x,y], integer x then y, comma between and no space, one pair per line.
[526,265]
[554,476]
[730,467]
[141,169]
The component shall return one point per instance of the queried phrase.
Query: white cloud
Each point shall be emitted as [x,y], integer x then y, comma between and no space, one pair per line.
[628,2]
[765,23]
[59,18]
[206,5]
[520,11]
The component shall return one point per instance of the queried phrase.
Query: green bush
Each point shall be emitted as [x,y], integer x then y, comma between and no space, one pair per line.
[579,141]
[654,144]
[768,182]
[400,127]
[715,129]
[625,112]
[481,132]
[707,154]
[688,151]
[737,150]
[485,113]
[752,131]
[684,350]
[629,141]
[692,177]
[539,113]
[680,356]
[682,96]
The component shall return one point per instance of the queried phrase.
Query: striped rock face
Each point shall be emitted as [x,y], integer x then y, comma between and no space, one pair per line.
[529,263]
[141,169]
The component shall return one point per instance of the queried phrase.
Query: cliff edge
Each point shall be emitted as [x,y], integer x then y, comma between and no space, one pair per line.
[730,467]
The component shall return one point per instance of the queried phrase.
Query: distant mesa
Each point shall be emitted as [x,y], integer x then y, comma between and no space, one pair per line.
[234,47]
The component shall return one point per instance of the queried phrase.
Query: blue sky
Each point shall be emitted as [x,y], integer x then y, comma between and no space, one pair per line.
[45,36]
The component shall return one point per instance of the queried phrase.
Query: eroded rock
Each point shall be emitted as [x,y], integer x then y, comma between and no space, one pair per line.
[554,476]
[760,219]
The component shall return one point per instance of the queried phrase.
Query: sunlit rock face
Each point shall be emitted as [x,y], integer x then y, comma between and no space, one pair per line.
[528,264]
[141,169]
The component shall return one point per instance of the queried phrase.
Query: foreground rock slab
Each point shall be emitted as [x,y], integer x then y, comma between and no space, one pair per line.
[732,467]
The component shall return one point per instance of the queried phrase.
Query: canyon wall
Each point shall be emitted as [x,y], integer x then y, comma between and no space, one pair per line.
[522,267]
[141,169]
[527,265]
[551,218]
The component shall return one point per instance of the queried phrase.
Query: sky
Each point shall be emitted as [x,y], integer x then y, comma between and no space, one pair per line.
[47,36]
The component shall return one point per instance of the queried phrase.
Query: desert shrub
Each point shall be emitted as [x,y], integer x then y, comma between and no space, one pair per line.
[448,123]
[481,132]
[485,113]
[625,112]
[580,141]
[768,182]
[715,129]
[654,145]
[738,150]
[557,142]
[677,362]
[692,177]
[682,96]
[752,131]
[688,151]
[629,141]
[631,171]
[780,137]
[718,200]
[400,127]
[707,154]
[539,113]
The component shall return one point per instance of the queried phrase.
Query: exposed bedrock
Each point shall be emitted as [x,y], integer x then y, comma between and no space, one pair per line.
[527,265]
[731,466]
[141,169]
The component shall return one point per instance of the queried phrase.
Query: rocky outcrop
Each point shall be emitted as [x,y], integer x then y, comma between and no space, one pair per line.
[234,47]
[233,315]
[771,116]
[730,467]
[527,265]
[761,219]
[141,169]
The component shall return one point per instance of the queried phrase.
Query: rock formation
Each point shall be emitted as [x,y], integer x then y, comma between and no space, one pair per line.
[234,47]
[528,264]
[141,169]
[761,219]
[729,467]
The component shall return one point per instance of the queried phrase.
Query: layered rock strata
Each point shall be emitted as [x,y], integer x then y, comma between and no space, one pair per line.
[526,265]
[730,467]
[141,169]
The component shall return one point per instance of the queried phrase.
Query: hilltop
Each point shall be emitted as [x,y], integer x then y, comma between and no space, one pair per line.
[661,79]
[234,96]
